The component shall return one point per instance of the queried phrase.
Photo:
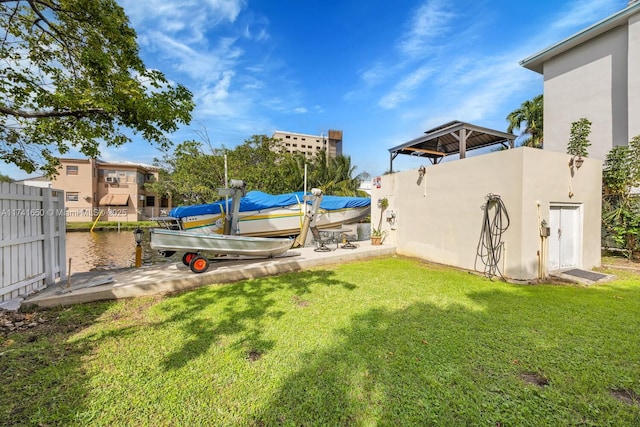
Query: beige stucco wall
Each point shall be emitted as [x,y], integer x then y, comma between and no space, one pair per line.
[84,183]
[91,186]
[588,81]
[439,218]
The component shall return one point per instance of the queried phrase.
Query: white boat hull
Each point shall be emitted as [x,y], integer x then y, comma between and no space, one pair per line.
[218,244]
[288,221]
[284,221]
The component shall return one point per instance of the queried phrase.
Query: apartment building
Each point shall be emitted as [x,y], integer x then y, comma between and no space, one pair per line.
[310,145]
[113,191]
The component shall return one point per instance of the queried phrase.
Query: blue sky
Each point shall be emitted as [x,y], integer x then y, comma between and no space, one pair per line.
[381,71]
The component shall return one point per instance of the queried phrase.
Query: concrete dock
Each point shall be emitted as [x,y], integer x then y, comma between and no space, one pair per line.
[174,277]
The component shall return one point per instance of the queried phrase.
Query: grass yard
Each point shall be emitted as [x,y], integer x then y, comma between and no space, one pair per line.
[384,342]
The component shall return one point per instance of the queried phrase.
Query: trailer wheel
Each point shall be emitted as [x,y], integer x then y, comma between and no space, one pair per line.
[187,257]
[199,264]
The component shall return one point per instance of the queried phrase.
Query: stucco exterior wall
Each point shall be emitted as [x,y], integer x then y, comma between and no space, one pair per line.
[589,81]
[90,185]
[83,184]
[439,217]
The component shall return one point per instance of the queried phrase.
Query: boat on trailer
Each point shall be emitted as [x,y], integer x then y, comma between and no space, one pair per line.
[171,241]
[264,215]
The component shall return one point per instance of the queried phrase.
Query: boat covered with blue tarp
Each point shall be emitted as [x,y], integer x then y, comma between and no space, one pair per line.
[259,201]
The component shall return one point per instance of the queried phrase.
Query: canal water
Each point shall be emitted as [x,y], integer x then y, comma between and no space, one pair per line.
[106,250]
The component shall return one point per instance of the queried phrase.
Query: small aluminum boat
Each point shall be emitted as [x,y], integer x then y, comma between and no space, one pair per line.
[170,241]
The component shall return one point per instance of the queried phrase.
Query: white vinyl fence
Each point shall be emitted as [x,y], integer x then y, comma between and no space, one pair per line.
[32,239]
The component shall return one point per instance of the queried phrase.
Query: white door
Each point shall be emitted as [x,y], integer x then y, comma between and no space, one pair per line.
[565,237]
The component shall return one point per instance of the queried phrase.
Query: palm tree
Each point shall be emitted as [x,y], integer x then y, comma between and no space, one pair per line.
[528,119]
[335,176]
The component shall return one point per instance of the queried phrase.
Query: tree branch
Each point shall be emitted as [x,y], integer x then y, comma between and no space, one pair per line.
[44,114]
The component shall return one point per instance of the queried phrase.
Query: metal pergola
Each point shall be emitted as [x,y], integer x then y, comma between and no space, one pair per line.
[451,138]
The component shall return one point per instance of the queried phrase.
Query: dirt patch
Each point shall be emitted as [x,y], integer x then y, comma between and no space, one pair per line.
[254,355]
[626,396]
[11,321]
[299,302]
[534,378]
[35,324]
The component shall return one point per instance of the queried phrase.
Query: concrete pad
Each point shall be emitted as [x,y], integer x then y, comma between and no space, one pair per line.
[174,277]
[582,276]
[12,304]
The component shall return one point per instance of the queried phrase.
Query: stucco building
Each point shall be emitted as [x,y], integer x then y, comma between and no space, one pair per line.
[593,74]
[310,145]
[438,213]
[115,191]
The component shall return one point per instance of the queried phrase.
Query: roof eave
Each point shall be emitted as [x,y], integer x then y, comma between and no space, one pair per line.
[535,62]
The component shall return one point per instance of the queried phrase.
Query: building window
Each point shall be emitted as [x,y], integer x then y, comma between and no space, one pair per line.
[72,170]
[295,137]
[72,197]
[287,136]
[151,201]
[304,139]
[295,145]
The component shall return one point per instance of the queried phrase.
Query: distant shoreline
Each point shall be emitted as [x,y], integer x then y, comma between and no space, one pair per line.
[108,226]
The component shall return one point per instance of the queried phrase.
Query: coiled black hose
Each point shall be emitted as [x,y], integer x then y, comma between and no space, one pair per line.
[495,223]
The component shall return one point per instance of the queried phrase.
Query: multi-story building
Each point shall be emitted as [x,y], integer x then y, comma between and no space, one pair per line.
[310,145]
[113,191]
[593,74]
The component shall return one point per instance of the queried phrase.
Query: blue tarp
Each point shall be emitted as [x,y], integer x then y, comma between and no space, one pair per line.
[257,200]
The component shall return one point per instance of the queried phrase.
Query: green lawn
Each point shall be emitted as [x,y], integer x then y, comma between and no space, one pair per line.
[384,342]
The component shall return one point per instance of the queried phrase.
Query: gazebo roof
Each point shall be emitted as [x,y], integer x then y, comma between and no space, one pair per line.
[452,138]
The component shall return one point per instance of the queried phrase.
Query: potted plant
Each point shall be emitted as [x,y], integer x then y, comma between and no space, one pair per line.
[377,234]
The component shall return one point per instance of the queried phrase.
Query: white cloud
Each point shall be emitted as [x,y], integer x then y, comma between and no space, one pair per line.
[405,89]
[191,18]
[430,22]
[200,65]
[582,13]
[374,74]
[221,89]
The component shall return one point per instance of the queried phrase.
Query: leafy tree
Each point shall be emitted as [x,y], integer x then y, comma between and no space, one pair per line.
[578,139]
[189,174]
[263,165]
[529,120]
[5,178]
[621,206]
[192,176]
[71,77]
